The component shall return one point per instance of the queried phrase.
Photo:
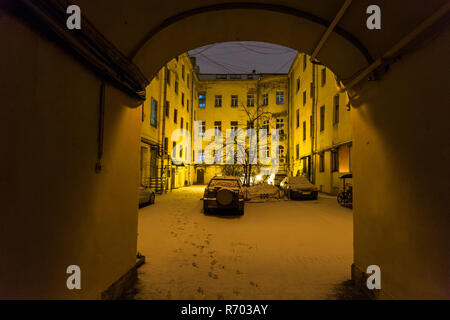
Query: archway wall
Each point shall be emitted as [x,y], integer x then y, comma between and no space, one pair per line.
[401,174]
[56,211]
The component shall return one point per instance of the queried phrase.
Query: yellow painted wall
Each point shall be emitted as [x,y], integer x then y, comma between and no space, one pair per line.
[56,211]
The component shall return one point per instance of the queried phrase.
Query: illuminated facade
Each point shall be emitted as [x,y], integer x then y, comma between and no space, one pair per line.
[313,122]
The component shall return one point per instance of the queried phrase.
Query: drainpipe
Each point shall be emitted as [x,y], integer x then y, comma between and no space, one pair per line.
[163,129]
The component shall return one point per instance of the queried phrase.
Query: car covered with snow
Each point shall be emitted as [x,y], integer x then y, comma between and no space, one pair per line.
[299,187]
[224,193]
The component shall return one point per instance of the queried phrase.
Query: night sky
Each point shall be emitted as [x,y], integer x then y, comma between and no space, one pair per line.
[243,57]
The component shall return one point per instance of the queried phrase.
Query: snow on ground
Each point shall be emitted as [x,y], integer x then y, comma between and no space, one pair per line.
[277,250]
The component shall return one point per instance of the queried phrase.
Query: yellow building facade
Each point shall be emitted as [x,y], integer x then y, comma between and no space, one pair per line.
[312,118]
[320,126]
[175,84]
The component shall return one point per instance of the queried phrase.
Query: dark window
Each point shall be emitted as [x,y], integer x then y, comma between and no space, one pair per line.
[324,76]
[187,125]
[187,105]
[202,128]
[188,80]
[217,127]
[311,90]
[304,62]
[265,99]
[321,162]
[304,97]
[176,86]
[218,101]
[234,125]
[202,99]
[336,109]
[298,84]
[166,145]
[297,116]
[168,77]
[297,151]
[175,114]
[280,97]
[154,119]
[266,125]
[182,98]
[250,100]
[167,108]
[322,118]
[334,161]
[234,101]
[280,126]
[182,71]
[181,122]
[304,130]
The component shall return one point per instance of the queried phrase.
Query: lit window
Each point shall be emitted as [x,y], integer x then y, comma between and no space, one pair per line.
[218,101]
[154,113]
[280,97]
[234,101]
[250,100]
[202,100]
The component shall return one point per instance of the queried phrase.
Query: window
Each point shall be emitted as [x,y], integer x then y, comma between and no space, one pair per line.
[234,100]
[297,151]
[297,117]
[250,100]
[181,151]
[182,98]
[202,100]
[311,90]
[265,99]
[176,86]
[182,71]
[266,125]
[234,125]
[304,130]
[154,117]
[218,100]
[304,62]
[280,97]
[221,76]
[166,145]
[217,128]
[200,156]
[322,118]
[235,76]
[167,108]
[250,124]
[334,161]
[336,109]
[175,114]
[187,80]
[280,126]
[168,77]
[281,153]
[187,105]
[304,97]
[324,76]
[187,125]
[181,122]
[174,150]
[321,162]
[298,84]
[202,128]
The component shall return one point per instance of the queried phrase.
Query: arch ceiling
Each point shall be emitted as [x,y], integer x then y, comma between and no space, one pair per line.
[152,32]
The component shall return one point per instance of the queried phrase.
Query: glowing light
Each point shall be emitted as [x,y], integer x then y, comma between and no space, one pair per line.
[271,178]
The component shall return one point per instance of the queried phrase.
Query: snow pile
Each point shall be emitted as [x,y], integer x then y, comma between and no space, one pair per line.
[263,191]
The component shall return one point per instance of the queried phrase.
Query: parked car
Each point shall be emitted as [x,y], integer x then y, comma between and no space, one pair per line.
[146,196]
[299,187]
[278,178]
[224,193]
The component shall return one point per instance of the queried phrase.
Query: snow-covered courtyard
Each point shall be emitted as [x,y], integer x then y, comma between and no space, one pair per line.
[276,250]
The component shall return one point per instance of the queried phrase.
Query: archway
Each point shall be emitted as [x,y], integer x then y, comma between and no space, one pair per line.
[393,233]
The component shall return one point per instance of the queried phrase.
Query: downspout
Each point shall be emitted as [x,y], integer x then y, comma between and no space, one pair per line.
[192,125]
[163,129]
[313,124]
